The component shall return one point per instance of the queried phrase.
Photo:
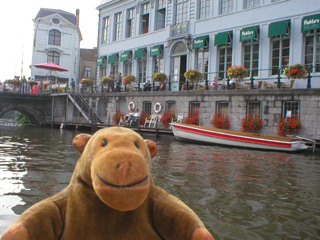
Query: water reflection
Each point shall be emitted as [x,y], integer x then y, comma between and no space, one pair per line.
[238,193]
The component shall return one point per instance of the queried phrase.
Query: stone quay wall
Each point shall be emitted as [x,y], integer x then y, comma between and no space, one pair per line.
[271,102]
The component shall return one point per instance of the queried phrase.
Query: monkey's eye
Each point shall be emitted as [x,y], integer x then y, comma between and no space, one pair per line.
[136,144]
[104,143]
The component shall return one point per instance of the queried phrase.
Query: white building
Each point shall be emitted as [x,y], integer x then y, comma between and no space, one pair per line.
[56,39]
[171,36]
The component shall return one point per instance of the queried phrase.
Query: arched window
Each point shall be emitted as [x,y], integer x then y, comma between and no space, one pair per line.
[54,37]
[54,57]
[179,49]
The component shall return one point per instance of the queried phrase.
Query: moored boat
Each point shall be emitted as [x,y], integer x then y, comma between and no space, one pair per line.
[212,135]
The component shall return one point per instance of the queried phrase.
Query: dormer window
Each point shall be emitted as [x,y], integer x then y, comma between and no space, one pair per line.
[55,21]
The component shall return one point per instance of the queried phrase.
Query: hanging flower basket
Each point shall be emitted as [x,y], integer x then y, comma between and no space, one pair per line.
[295,72]
[32,83]
[220,121]
[251,124]
[106,80]
[159,77]
[193,75]
[86,81]
[237,72]
[288,126]
[127,80]
[14,82]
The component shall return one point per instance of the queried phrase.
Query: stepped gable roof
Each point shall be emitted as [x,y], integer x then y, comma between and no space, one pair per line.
[43,12]
[88,54]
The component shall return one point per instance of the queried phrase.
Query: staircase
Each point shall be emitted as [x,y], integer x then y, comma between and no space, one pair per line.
[83,106]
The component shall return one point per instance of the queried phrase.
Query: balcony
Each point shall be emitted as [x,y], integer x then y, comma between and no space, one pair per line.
[180,29]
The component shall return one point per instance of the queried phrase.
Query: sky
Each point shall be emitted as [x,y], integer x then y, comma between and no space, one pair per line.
[17,30]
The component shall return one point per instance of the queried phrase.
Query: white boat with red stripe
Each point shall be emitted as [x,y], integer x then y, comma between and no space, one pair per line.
[212,135]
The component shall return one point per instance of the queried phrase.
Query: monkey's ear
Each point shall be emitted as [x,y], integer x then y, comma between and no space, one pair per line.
[80,141]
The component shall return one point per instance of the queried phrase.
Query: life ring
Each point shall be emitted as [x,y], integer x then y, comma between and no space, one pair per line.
[157,107]
[131,106]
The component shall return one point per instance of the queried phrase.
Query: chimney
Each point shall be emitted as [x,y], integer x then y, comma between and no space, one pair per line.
[77,15]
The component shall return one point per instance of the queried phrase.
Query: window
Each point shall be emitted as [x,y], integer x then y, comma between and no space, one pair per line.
[204,9]
[54,57]
[146,107]
[158,64]
[54,37]
[161,14]
[130,23]
[226,6]
[181,11]
[225,57]
[251,3]
[251,54]
[117,27]
[171,106]
[121,106]
[194,106]
[55,21]
[142,67]
[128,65]
[222,108]
[145,8]
[280,51]
[106,30]
[292,106]
[115,65]
[202,62]
[87,72]
[254,108]
[312,50]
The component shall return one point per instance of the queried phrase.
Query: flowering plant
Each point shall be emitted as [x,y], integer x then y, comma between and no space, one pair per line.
[251,124]
[128,79]
[220,121]
[295,71]
[193,118]
[105,80]
[143,117]
[13,81]
[116,117]
[288,126]
[32,83]
[167,118]
[237,72]
[86,81]
[193,75]
[159,77]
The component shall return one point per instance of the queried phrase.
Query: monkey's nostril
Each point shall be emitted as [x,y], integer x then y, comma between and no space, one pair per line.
[118,165]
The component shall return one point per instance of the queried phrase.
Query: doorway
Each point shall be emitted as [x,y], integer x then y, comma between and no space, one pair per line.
[179,66]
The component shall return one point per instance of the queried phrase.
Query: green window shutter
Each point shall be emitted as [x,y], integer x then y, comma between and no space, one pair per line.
[138,53]
[100,61]
[221,38]
[310,23]
[277,28]
[124,56]
[111,58]
[200,42]
[155,51]
[247,34]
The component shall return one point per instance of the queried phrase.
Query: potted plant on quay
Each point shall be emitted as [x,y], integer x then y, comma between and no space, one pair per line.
[167,117]
[116,117]
[251,124]
[220,121]
[287,126]
[128,80]
[237,72]
[143,117]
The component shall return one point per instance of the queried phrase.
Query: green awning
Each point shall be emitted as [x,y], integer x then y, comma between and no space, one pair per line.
[111,58]
[125,56]
[138,53]
[310,23]
[156,50]
[277,28]
[100,61]
[221,38]
[200,42]
[247,34]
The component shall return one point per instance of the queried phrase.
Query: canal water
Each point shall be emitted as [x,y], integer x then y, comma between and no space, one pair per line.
[238,193]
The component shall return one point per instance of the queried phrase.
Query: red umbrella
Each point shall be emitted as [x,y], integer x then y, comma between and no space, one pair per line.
[50,66]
